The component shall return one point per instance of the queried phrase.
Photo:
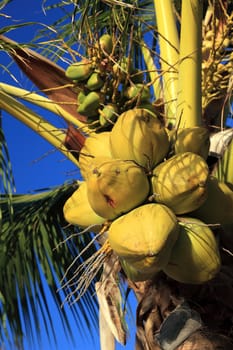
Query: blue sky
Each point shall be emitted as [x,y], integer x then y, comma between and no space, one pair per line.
[37,165]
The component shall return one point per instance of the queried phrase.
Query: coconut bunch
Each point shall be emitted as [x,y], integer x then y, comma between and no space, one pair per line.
[153,190]
[106,84]
[217,65]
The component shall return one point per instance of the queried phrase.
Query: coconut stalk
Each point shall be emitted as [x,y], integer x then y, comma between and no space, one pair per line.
[152,70]
[189,99]
[169,55]
[49,132]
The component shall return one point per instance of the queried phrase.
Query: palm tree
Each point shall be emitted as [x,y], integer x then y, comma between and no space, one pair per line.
[182,51]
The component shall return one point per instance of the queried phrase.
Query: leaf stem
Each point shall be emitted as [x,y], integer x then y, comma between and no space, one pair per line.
[45,103]
[189,103]
[169,54]
[49,132]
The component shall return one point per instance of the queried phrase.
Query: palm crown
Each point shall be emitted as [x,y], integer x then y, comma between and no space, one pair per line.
[171,62]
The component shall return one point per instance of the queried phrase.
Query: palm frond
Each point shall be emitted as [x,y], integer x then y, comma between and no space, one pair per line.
[46,75]
[82,24]
[30,249]
[6,176]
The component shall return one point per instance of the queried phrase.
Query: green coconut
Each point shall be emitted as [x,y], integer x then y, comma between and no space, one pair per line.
[106,43]
[90,104]
[140,91]
[108,114]
[95,82]
[80,71]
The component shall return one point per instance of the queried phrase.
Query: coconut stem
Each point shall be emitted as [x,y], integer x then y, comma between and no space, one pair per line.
[43,102]
[189,111]
[169,54]
[49,132]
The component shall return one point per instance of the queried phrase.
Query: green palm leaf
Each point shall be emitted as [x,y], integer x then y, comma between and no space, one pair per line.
[31,248]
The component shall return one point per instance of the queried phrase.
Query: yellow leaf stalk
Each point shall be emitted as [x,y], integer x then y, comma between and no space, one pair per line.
[169,54]
[49,132]
[43,102]
[189,90]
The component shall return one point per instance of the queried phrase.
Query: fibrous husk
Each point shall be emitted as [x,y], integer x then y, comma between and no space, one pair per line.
[181,182]
[144,238]
[96,145]
[116,186]
[203,340]
[139,135]
[218,207]
[195,257]
[77,209]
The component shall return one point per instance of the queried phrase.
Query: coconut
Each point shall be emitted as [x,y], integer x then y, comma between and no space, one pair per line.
[139,135]
[195,256]
[218,207]
[106,43]
[96,145]
[181,182]
[137,275]
[116,186]
[108,114]
[195,140]
[144,238]
[95,82]
[77,209]
[80,71]
[90,104]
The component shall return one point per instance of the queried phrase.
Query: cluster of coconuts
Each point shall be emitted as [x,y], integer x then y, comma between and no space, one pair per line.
[107,84]
[153,188]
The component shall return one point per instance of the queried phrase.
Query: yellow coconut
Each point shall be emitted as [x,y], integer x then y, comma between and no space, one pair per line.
[195,140]
[195,256]
[116,186]
[137,275]
[96,145]
[181,182]
[144,238]
[218,207]
[139,135]
[77,210]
